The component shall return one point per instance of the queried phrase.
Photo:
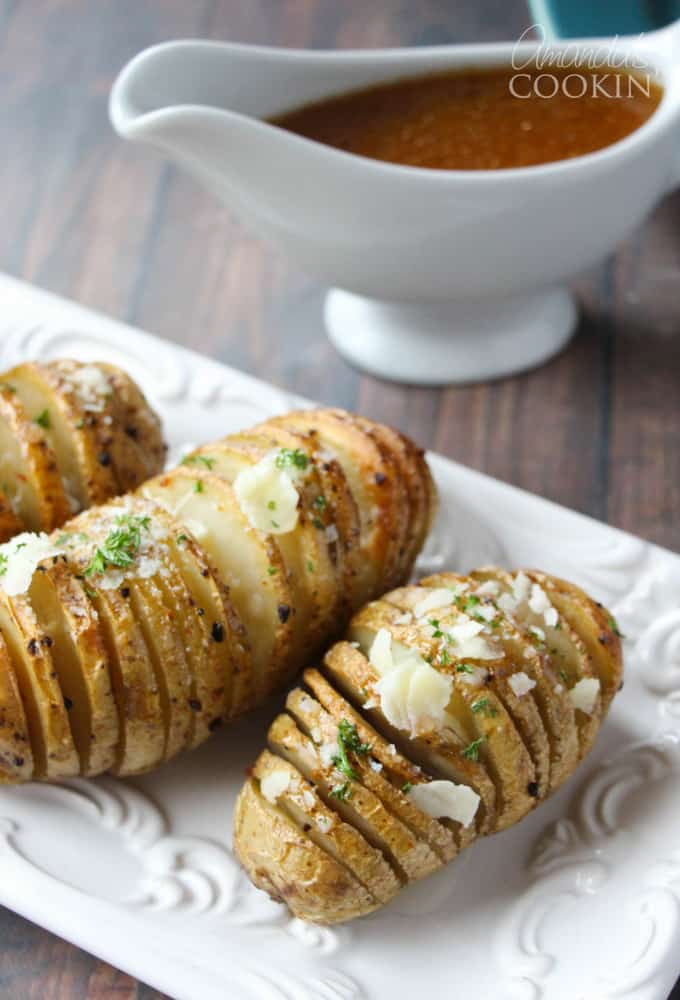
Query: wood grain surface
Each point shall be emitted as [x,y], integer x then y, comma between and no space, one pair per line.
[118,229]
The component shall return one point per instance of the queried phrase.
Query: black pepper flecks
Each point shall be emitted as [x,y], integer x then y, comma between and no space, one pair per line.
[195,705]
[215,725]
[217,631]
[532,789]
[132,432]
[47,640]
[125,592]
[68,704]
[104,458]
[380,478]
[284,613]
[33,647]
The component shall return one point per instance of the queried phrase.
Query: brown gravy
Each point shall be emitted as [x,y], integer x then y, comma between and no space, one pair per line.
[471,120]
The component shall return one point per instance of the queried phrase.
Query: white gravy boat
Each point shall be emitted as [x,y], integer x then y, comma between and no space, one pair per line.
[439,276]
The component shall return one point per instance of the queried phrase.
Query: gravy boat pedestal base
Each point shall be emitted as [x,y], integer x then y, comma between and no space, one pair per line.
[445,343]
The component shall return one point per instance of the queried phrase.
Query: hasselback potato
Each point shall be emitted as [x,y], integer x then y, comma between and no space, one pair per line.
[71,435]
[451,710]
[143,624]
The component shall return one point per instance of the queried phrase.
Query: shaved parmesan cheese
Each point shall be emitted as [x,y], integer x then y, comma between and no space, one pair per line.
[404,619]
[274,784]
[550,617]
[413,695]
[488,589]
[327,751]
[475,676]
[468,642]
[521,683]
[331,534]
[507,603]
[486,611]
[267,496]
[324,823]
[538,600]
[308,798]
[440,597]
[90,386]
[521,587]
[444,799]
[538,632]
[584,694]
[19,559]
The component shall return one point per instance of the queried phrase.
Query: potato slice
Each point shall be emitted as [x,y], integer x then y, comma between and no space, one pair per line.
[16,752]
[134,682]
[81,437]
[285,862]
[593,624]
[10,524]
[29,476]
[305,554]
[508,664]
[564,647]
[338,511]
[223,674]
[243,559]
[439,754]
[140,451]
[385,772]
[79,655]
[492,734]
[358,805]
[54,752]
[367,474]
[300,801]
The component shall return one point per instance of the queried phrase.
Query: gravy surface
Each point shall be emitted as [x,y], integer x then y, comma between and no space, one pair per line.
[471,120]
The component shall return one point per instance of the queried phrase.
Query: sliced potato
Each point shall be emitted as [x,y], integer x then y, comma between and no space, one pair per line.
[594,625]
[29,476]
[300,801]
[385,772]
[16,752]
[79,655]
[140,452]
[54,752]
[10,524]
[243,559]
[287,864]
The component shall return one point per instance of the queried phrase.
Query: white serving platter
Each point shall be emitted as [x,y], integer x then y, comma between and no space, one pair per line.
[581,901]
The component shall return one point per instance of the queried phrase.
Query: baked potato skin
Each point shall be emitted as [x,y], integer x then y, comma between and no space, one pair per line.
[474,631]
[175,608]
[80,434]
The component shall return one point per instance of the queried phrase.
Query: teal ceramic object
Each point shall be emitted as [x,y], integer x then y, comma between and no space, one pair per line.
[602,18]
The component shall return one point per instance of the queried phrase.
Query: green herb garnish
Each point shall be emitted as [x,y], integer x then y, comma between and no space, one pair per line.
[199,459]
[482,706]
[3,563]
[289,457]
[121,544]
[272,570]
[406,787]
[198,486]
[437,633]
[43,419]
[271,505]
[320,503]
[310,566]
[348,742]
[613,625]
[471,752]
[465,668]
[342,792]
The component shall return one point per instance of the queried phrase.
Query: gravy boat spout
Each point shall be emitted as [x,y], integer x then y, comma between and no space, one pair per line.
[438,276]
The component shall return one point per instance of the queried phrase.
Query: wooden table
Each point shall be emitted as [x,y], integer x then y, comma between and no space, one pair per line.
[113,226]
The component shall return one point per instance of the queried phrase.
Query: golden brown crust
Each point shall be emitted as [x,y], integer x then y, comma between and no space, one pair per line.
[526,696]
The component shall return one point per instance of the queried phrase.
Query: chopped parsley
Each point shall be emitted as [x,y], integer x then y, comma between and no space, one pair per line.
[310,566]
[181,539]
[121,545]
[613,625]
[272,570]
[444,657]
[318,523]
[472,602]
[199,460]
[465,668]
[348,742]
[406,787]
[471,752]
[70,537]
[3,564]
[342,792]
[437,633]
[43,419]
[275,524]
[482,706]
[291,458]
[271,505]
[563,675]
[198,486]
[320,503]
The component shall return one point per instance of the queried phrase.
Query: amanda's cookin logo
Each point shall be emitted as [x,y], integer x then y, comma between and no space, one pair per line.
[576,70]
